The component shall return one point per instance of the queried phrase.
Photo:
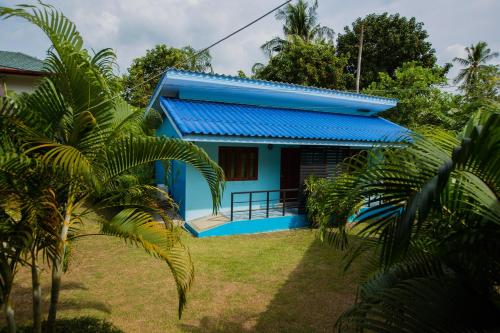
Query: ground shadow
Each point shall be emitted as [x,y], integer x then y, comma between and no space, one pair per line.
[315,294]
[22,298]
[311,299]
[217,325]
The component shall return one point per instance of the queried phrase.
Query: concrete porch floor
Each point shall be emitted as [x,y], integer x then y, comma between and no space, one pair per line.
[207,222]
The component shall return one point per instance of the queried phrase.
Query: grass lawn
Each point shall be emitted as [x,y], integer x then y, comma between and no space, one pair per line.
[276,282]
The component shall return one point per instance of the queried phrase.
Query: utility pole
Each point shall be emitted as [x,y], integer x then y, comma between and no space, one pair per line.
[360,51]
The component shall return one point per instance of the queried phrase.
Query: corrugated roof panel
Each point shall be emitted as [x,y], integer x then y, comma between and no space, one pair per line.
[275,84]
[18,60]
[212,118]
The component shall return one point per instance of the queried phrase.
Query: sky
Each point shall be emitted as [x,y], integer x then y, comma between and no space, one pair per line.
[131,27]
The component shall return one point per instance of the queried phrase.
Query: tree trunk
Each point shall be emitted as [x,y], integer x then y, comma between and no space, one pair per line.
[57,271]
[9,316]
[54,294]
[37,295]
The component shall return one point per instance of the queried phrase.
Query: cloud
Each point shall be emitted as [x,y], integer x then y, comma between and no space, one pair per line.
[455,50]
[133,26]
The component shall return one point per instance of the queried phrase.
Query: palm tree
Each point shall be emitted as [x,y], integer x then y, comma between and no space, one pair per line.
[72,125]
[430,239]
[194,61]
[477,57]
[28,220]
[300,21]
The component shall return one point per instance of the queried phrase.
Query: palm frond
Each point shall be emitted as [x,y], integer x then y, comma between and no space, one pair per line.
[274,45]
[131,152]
[137,227]
[63,157]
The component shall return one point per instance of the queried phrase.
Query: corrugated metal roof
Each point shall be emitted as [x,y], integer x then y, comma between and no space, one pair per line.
[21,61]
[224,119]
[275,84]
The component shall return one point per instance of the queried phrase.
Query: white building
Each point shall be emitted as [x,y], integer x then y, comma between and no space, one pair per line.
[19,72]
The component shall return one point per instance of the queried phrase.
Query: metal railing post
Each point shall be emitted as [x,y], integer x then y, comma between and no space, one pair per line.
[259,200]
[232,207]
[284,202]
[267,204]
[250,207]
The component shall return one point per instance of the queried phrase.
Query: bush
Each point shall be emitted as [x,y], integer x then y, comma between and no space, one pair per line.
[75,325]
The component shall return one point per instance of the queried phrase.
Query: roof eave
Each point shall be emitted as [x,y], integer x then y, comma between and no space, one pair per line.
[23,72]
[288,141]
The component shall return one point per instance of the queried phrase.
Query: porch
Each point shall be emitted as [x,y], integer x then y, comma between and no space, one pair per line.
[264,188]
[253,212]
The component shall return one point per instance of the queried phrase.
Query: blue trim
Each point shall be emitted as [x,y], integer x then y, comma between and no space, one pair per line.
[156,92]
[252,226]
[191,229]
[293,142]
[172,122]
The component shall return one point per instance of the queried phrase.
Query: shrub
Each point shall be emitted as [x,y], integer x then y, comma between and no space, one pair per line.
[75,325]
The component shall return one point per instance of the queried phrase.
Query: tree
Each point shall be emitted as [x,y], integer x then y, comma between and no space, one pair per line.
[71,126]
[389,42]
[311,64]
[145,72]
[300,20]
[475,64]
[28,219]
[429,236]
[420,100]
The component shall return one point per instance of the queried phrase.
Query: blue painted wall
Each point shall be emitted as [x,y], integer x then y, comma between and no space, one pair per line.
[176,179]
[198,199]
[190,190]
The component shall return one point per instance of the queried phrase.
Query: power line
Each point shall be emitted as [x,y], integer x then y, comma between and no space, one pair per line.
[199,52]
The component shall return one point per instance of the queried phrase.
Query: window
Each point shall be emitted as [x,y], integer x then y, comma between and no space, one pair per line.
[239,163]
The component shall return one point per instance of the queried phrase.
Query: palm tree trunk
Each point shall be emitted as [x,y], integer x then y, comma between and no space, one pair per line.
[9,315]
[57,272]
[37,295]
[54,294]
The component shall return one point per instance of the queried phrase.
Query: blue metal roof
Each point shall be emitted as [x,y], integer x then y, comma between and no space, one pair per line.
[277,84]
[192,117]
[229,89]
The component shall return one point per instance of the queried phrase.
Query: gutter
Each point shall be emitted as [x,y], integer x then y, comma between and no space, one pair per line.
[17,71]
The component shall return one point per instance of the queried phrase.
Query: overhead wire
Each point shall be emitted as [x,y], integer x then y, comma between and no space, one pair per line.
[198,52]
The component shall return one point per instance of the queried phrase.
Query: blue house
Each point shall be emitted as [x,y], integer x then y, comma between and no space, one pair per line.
[268,137]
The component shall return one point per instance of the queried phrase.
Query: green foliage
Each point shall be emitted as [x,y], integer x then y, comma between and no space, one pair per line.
[327,210]
[241,74]
[306,56]
[479,82]
[72,128]
[431,237]
[486,86]
[76,325]
[146,70]
[28,218]
[420,100]
[476,73]
[310,64]
[300,20]
[389,42]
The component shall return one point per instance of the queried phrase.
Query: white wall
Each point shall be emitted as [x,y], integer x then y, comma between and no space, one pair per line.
[18,83]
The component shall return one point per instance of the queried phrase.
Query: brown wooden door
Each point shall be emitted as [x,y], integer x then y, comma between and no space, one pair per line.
[290,171]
